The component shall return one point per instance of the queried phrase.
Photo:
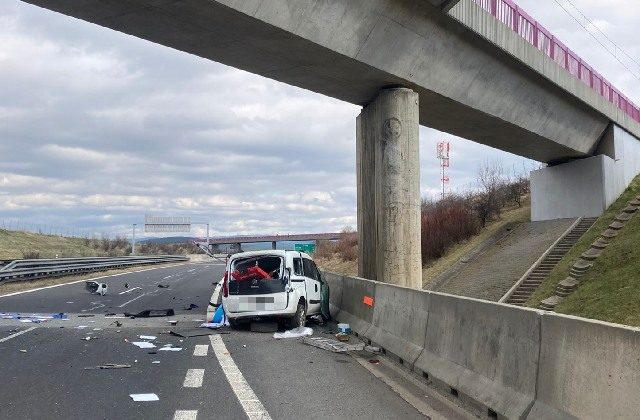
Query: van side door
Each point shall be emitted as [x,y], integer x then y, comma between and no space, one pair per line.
[314,289]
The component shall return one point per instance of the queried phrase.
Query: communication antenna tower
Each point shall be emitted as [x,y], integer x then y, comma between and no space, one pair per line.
[443,155]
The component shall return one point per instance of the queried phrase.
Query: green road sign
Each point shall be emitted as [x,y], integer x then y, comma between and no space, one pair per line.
[306,248]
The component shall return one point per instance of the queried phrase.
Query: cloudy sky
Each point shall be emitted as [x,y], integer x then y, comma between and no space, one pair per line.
[98,128]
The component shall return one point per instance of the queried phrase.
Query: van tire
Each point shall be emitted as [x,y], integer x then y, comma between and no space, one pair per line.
[234,324]
[300,318]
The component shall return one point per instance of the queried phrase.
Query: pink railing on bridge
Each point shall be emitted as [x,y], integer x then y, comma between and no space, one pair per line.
[527,27]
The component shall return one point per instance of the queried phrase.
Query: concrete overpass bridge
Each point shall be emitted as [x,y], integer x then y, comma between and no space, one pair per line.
[249,239]
[480,69]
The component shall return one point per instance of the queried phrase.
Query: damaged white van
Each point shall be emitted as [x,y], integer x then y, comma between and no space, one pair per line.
[285,285]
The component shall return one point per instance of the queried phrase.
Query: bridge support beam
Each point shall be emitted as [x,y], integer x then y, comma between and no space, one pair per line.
[388,172]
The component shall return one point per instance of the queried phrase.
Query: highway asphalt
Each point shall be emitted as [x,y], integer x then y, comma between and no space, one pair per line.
[227,375]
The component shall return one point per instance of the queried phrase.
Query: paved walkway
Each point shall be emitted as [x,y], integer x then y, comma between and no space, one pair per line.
[492,272]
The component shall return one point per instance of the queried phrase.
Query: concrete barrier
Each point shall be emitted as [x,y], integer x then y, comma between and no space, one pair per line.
[335,282]
[485,351]
[400,321]
[517,362]
[588,370]
[357,303]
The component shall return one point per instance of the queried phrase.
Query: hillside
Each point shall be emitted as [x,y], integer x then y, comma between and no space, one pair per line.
[511,216]
[15,245]
[610,291]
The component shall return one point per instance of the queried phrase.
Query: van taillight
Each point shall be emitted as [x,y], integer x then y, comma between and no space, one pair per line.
[225,284]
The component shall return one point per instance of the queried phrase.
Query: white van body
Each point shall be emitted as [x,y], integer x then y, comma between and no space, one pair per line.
[272,284]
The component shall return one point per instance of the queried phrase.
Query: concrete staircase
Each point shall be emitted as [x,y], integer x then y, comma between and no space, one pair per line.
[535,278]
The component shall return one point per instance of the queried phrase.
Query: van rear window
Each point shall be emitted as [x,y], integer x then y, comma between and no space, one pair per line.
[258,275]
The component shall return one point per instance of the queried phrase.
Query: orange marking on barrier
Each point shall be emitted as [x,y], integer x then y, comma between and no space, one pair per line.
[368,300]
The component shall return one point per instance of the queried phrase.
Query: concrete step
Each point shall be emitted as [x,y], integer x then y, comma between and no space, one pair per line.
[615,225]
[591,254]
[600,243]
[630,209]
[550,304]
[609,234]
[624,217]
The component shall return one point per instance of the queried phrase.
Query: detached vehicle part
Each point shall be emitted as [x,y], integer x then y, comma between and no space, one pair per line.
[96,288]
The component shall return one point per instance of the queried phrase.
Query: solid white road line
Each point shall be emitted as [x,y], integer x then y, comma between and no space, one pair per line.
[201,350]
[80,281]
[185,415]
[16,334]
[129,291]
[194,378]
[247,398]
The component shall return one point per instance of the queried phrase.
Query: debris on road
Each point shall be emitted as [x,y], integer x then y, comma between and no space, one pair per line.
[191,306]
[148,337]
[332,345]
[343,337]
[110,314]
[96,288]
[23,351]
[81,327]
[372,349]
[86,315]
[212,325]
[172,322]
[33,317]
[151,313]
[344,328]
[294,333]
[169,347]
[163,286]
[89,338]
[374,361]
[155,362]
[144,397]
[108,366]
[143,344]
[196,332]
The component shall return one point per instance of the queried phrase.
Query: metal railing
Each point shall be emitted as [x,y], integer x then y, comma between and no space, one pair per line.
[20,270]
[507,12]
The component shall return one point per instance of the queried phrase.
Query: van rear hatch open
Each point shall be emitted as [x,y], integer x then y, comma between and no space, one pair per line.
[257,284]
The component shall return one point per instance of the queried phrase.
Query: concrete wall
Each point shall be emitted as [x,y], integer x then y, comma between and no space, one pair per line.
[518,362]
[586,187]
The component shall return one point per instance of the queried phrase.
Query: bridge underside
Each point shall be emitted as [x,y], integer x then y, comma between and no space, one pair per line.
[350,50]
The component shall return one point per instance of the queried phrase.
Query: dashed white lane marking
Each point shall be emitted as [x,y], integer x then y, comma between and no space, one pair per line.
[247,398]
[16,334]
[194,378]
[201,350]
[80,281]
[129,291]
[135,298]
[185,415]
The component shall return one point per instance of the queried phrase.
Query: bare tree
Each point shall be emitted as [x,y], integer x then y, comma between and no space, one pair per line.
[489,200]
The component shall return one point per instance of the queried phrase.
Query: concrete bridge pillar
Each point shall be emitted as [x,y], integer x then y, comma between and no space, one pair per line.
[388,172]
[273,244]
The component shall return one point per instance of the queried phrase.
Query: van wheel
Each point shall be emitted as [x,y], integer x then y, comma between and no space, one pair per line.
[234,324]
[300,318]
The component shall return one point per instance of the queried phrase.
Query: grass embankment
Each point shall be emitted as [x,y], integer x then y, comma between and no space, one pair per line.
[15,245]
[610,291]
[429,272]
[458,251]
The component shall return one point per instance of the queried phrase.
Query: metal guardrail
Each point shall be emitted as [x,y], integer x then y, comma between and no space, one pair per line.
[20,270]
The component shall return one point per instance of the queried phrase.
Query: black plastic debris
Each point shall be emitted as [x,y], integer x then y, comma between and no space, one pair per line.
[190,307]
[163,286]
[108,366]
[151,313]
